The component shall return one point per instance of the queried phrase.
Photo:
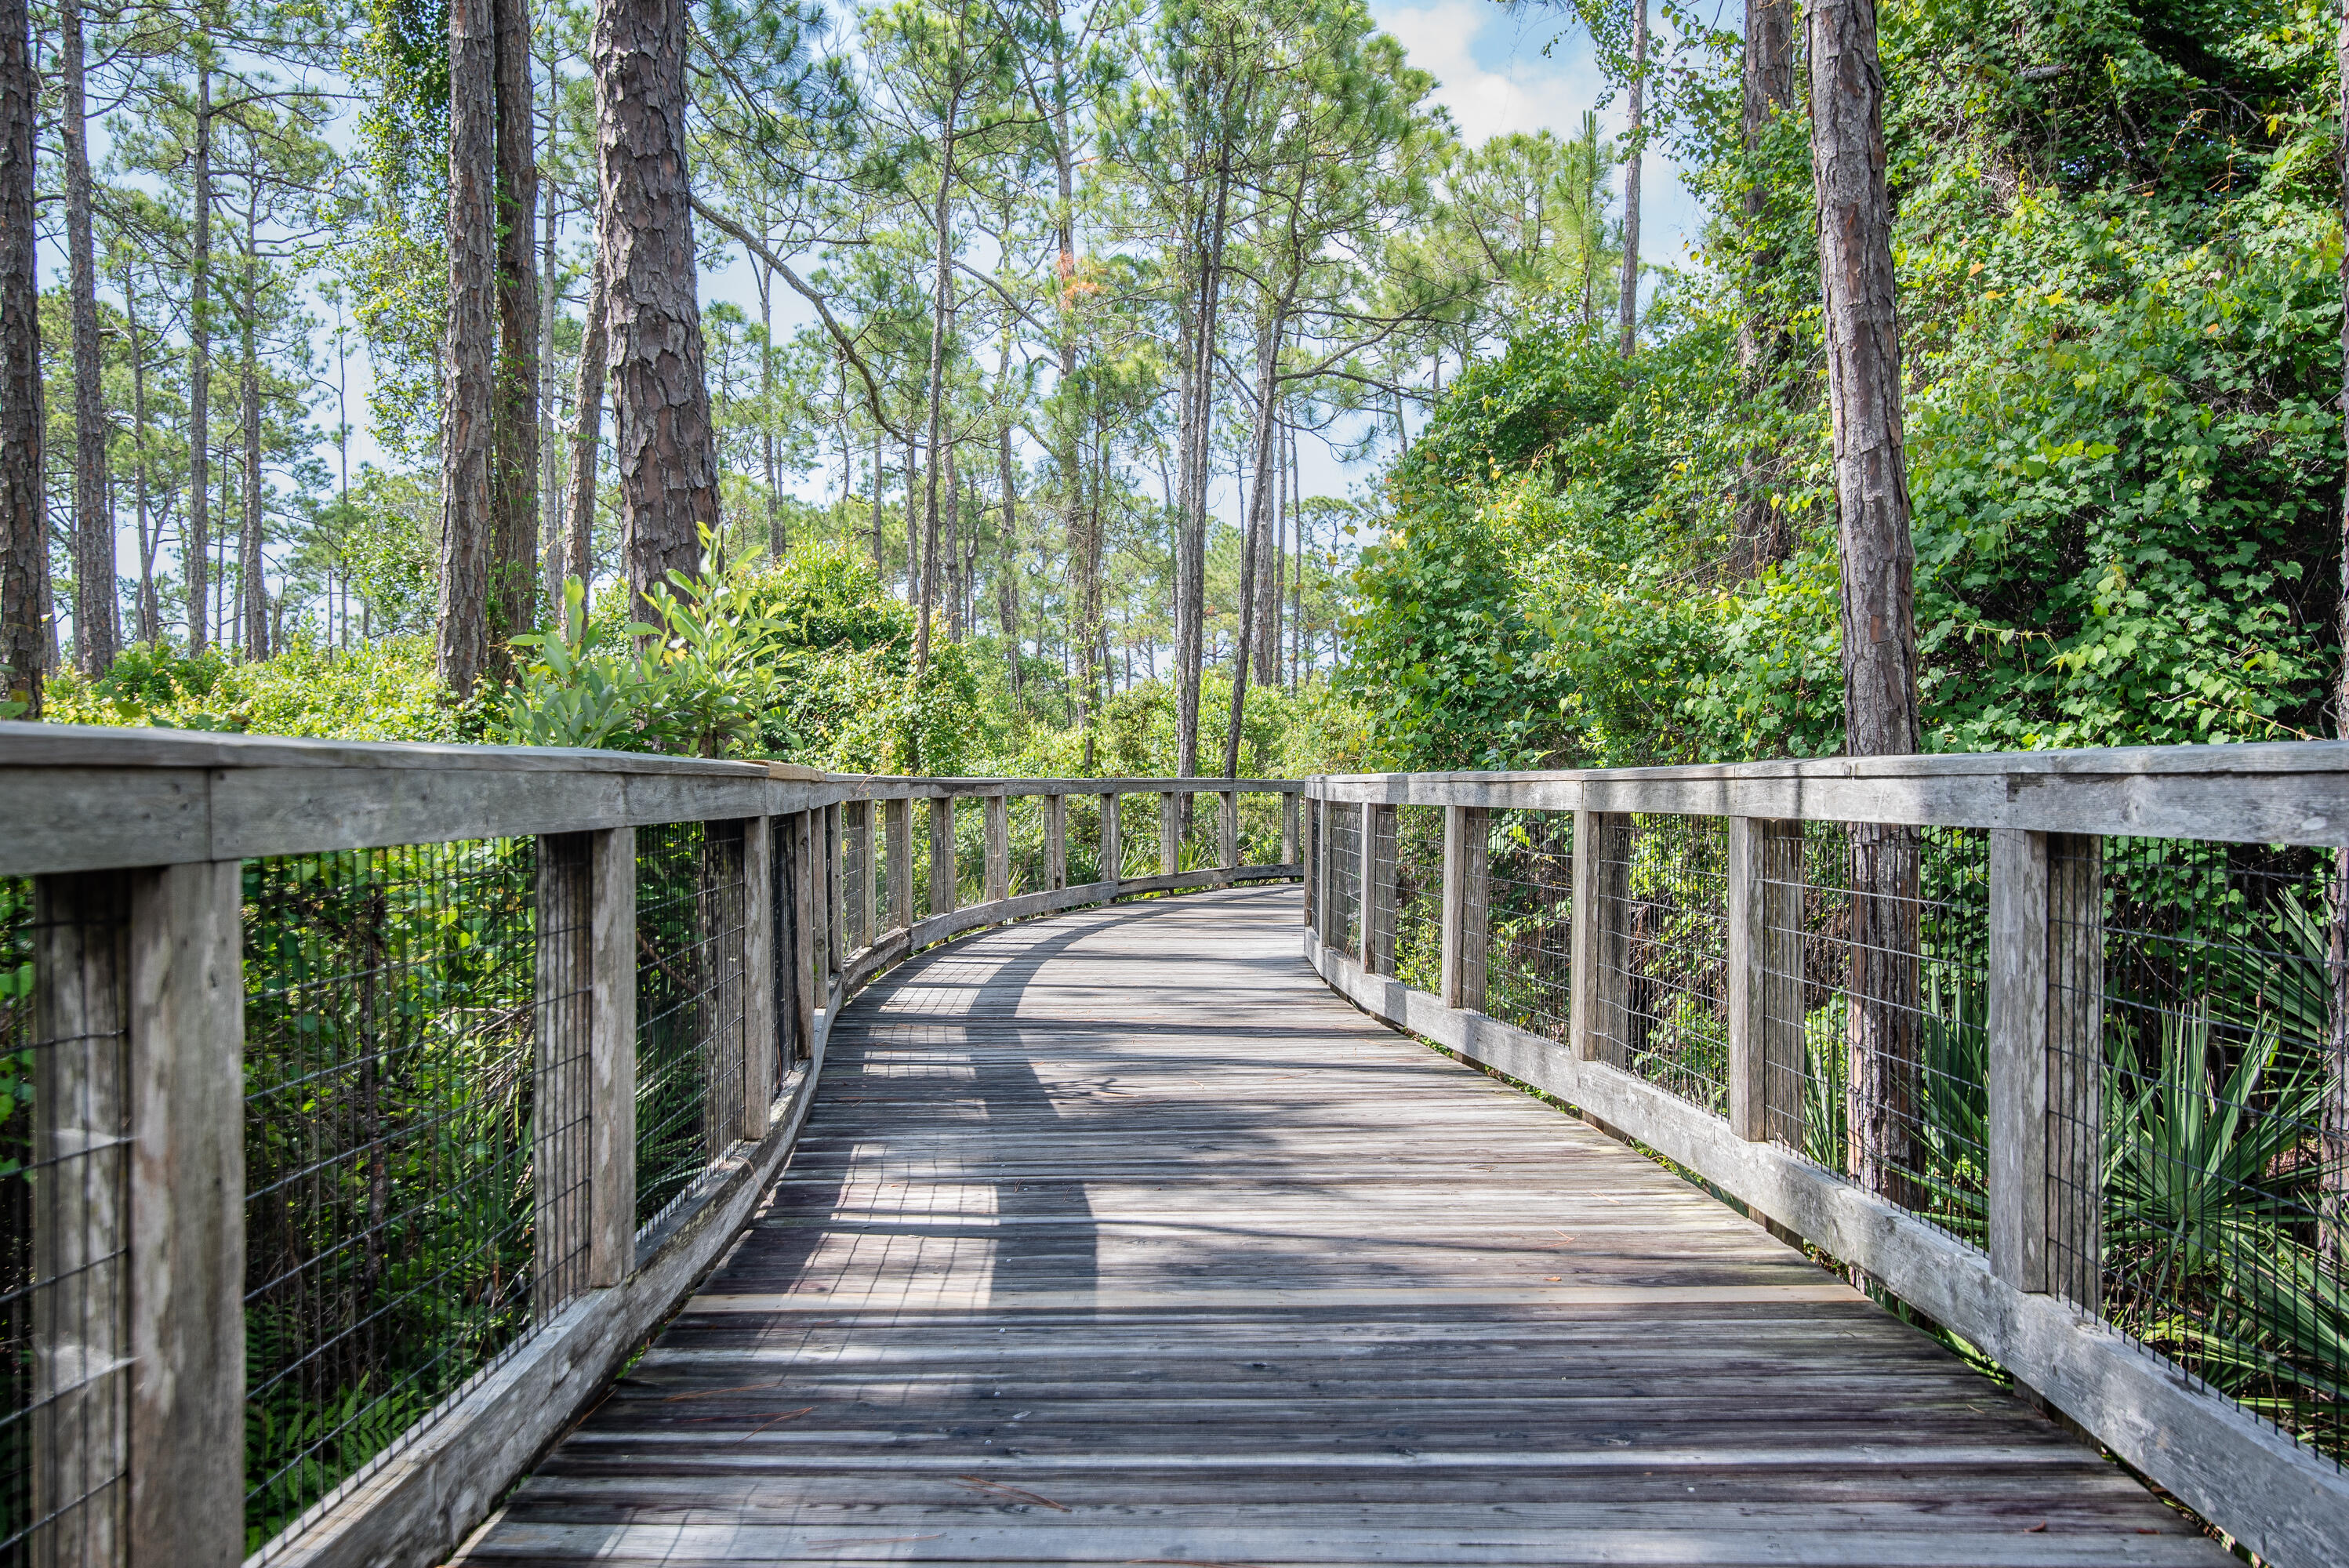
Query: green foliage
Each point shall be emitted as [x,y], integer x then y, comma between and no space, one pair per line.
[380,691]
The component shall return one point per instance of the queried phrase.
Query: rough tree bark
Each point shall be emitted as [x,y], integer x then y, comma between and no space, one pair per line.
[1191,517]
[1007,584]
[1878,613]
[1768,91]
[98,617]
[253,581]
[942,288]
[196,554]
[661,399]
[1252,541]
[1627,305]
[24,536]
[468,369]
[514,474]
[587,433]
[151,610]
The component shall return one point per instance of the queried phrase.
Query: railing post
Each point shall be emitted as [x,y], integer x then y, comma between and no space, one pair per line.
[80,1111]
[758,974]
[1466,905]
[835,889]
[612,1058]
[805,1002]
[563,1178]
[1112,851]
[1601,940]
[725,1044]
[1227,830]
[1379,876]
[1311,864]
[856,873]
[942,855]
[999,849]
[1289,827]
[897,819]
[187,1238]
[2047,1003]
[1333,920]
[1170,832]
[1056,842]
[1765,977]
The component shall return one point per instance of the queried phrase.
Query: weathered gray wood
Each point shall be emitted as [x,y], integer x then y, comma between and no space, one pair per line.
[1600,935]
[1056,842]
[2274,1496]
[1749,1082]
[856,873]
[186,1256]
[1112,850]
[1227,828]
[1466,905]
[1333,913]
[808,995]
[999,847]
[2017,1070]
[80,1227]
[2075,1067]
[1380,875]
[835,896]
[722,1016]
[760,1055]
[563,1087]
[898,819]
[943,880]
[1289,799]
[1767,1064]
[612,1060]
[1170,831]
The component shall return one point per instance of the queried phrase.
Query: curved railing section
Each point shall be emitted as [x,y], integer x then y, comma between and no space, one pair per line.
[2051,1046]
[362,1107]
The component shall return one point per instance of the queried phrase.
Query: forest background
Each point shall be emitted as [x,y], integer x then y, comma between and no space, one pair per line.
[1095,261]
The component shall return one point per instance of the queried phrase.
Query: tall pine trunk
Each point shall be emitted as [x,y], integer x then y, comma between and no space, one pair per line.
[587,434]
[1627,306]
[513,480]
[151,612]
[24,532]
[195,548]
[1768,91]
[2332,1177]
[1879,617]
[252,577]
[468,369]
[98,625]
[942,285]
[1196,428]
[1007,584]
[660,398]
[1258,528]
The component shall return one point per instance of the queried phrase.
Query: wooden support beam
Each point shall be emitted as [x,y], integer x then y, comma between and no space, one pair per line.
[81,1225]
[943,889]
[759,1035]
[186,1260]
[1765,979]
[806,1000]
[1466,905]
[612,1060]
[1170,832]
[1311,902]
[1602,842]
[1227,830]
[1112,850]
[897,816]
[1056,842]
[1380,875]
[1333,911]
[719,1016]
[857,874]
[998,809]
[1289,801]
[832,916]
[562,1177]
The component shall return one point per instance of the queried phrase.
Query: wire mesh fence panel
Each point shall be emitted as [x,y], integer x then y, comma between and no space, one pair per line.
[1137,836]
[2202,1045]
[390,1072]
[1880,1069]
[1202,848]
[1670,1023]
[1029,872]
[970,852]
[1260,829]
[1346,874]
[1529,948]
[64,1203]
[1311,830]
[917,833]
[689,997]
[1416,854]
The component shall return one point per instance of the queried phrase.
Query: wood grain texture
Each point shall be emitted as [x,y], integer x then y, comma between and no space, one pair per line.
[1102,1246]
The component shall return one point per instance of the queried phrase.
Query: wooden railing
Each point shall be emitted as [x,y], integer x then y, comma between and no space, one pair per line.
[2084,1109]
[306,1043]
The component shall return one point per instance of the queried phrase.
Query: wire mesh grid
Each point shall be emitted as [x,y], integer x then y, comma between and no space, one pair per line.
[1529,945]
[917,834]
[1416,852]
[1873,1010]
[1346,875]
[2197,1172]
[562,1184]
[690,1005]
[1312,851]
[1260,819]
[64,1200]
[1137,836]
[390,1072]
[1024,826]
[1665,1015]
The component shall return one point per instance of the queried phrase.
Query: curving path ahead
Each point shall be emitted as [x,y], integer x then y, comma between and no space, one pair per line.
[1116,1238]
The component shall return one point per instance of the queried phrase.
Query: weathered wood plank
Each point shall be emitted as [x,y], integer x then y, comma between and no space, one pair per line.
[612,1060]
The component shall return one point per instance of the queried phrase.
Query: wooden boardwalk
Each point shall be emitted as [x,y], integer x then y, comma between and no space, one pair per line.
[1117,1239]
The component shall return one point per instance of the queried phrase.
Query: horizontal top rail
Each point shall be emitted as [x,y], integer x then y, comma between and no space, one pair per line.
[85,798]
[2274,793]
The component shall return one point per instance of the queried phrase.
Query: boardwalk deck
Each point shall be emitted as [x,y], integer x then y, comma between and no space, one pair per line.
[1118,1239]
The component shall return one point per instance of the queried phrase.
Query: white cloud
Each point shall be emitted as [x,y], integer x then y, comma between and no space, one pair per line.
[1527,93]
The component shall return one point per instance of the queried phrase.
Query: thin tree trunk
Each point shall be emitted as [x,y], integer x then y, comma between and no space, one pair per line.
[1191,523]
[587,432]
[660,398]
[98,628]
[776,542]
[1878,618]
[1007,585]
[24,529]
[469,372]
[942,286]
[2332,1177]
[879,570]
[151,613]
[513,480]
[195,550]
[1768,92]
[252,575]
[913,527]
[1627,306]
[1252,542]
[550,453]
[956,589]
